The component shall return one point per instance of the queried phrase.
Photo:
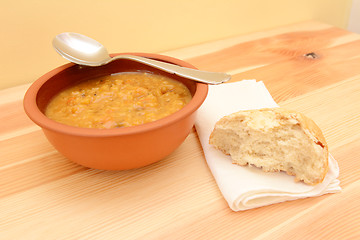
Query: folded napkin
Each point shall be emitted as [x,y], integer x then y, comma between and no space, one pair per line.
[250,187]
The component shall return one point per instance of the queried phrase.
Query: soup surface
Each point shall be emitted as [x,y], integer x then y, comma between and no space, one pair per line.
[119,100]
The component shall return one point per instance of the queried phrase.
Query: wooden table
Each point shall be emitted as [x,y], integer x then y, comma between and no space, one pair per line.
[310,67]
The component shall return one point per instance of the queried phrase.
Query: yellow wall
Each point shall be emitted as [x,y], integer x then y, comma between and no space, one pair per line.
[28,26]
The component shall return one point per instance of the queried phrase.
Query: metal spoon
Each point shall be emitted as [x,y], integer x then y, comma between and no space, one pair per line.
[83,50]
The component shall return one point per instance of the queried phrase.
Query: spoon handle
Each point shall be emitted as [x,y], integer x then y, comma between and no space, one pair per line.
[194,74]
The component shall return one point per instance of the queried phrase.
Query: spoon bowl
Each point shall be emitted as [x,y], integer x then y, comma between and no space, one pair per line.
[83,50]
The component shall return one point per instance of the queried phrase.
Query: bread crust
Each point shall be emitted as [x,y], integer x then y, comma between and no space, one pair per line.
[309,127]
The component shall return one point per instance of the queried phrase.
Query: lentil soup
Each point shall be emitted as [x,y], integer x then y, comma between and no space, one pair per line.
[118,100]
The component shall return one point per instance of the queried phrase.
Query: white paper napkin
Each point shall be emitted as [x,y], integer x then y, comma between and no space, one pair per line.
[250,187]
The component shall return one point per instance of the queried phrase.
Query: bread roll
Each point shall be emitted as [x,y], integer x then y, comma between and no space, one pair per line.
[274,139]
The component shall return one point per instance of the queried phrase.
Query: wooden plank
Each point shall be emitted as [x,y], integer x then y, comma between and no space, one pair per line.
[268,50]
[310,223]
[299,75]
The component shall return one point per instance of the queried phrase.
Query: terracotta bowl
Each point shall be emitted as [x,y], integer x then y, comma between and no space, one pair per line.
[112,149]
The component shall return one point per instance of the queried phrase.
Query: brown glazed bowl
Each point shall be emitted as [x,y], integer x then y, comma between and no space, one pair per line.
[112,149]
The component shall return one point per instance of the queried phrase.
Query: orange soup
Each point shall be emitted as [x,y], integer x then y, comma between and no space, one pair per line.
[119,100]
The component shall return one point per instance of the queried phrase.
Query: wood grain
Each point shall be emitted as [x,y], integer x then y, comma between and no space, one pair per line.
[45,196]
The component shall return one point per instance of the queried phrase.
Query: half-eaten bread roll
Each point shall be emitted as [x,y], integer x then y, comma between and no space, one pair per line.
[274,139]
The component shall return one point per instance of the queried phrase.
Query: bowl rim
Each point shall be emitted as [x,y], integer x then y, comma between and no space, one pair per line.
[39,118]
